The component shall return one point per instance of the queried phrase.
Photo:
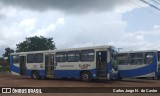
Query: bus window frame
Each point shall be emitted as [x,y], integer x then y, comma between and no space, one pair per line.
[64,56]
[33,58]
[75,58]
[127,59]
[135,58]
[88,52]
[38,59]
[145,57]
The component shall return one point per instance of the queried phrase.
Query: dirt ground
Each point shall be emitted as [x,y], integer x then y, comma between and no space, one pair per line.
[23,81]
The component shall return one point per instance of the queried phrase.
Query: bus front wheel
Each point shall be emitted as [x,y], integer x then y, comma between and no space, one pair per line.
[85,76]
[35,75]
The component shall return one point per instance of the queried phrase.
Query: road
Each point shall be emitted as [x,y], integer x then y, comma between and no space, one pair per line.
[23,81]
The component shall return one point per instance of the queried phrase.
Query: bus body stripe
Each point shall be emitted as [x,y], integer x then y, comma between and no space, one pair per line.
[72,73]
[150,68]
[137,72]
[28,71]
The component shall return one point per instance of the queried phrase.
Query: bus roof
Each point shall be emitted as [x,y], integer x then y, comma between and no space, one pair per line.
[68,49]
[137,51]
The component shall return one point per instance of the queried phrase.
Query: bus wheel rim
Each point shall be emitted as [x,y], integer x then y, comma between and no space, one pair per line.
[35,75]
[85,77]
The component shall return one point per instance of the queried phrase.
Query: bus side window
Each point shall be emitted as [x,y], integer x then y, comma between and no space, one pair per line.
[148,58]
[123,59]
[73,56]
[30,58]
[87,55]
[61,57]
[39,58]
[136,58]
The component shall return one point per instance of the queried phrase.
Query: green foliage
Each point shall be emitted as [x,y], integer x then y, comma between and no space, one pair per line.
[36,44]
[3,62]
[1,59]
[4,66]
[4,69]
[7,53]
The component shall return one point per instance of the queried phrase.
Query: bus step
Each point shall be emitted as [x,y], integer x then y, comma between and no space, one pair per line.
[102,75]
[102,78]
[50,76]
[101,72]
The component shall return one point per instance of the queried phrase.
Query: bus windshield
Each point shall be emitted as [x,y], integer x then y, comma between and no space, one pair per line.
[114,61]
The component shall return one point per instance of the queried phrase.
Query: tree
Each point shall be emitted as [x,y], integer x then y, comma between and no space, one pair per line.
[3,62]
[7,53]
[36,44]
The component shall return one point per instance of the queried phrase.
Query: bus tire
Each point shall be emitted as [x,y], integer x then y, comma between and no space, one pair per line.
[119,77]
[85,76]
[35,75]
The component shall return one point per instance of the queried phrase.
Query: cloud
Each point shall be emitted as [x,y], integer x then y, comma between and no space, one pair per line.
[77,31]
[140,40]
[138,45]
[156,27]
[89,29]
[49,29]
[28,24]
[67,6]
[2,16]
[67,31]
[7,11]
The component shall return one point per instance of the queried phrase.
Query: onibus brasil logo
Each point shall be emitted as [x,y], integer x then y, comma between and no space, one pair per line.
[21,90]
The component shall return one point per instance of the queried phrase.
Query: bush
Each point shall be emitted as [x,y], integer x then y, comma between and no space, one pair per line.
[4,69]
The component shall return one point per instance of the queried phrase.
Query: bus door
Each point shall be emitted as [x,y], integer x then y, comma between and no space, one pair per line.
[101,62]
[49,65]
[22,65]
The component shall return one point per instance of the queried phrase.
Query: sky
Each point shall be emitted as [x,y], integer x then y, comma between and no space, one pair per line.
[127,24]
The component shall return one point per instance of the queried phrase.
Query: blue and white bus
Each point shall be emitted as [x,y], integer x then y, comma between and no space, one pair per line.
[81,63]
[135,64]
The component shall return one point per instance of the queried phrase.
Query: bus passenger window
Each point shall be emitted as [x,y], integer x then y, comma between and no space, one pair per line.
[30,58]
[39,58]
[123,58]
[148,58]
[136,58]
[73,56]
[87,55]
[15,58]
[61,57]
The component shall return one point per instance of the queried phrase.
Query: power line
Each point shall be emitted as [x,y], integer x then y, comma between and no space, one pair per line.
[144,7]
[158,2]
[150,4]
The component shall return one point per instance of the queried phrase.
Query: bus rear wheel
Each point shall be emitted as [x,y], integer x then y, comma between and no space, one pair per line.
[35,75]
[86,76]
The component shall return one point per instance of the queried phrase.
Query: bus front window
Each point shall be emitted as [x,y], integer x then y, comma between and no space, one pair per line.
[114,61]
